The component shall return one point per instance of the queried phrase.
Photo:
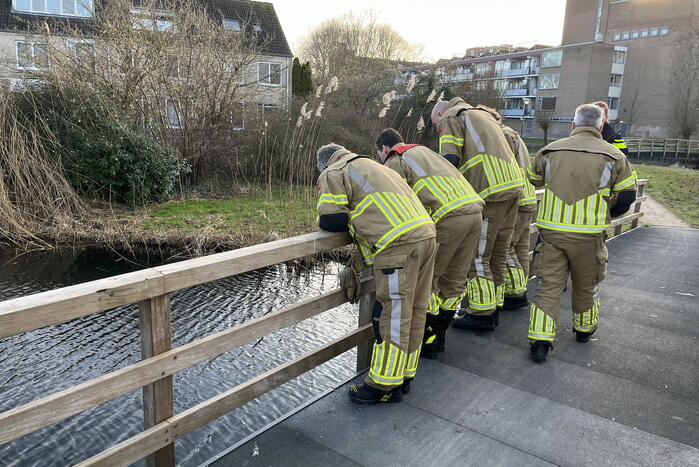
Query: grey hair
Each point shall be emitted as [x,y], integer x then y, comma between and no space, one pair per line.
[589,115]
[325,153]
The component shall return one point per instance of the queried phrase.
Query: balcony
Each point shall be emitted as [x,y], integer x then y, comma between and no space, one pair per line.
[515,72]
[515,92]
[511,112]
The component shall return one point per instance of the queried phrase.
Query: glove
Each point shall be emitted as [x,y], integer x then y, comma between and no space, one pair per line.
[351,284]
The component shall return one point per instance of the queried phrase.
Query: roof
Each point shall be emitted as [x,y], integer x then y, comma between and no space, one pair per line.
[247,12]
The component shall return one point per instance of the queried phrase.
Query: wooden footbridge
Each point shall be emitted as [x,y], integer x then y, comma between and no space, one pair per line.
[628,398]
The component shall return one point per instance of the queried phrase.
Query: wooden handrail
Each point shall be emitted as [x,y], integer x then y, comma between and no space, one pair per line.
[35,311]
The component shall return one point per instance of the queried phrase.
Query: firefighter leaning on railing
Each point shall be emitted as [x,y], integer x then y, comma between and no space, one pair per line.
[608,133]
[586,182]
[472,140]
[455,209]
[397,237]
[517,277]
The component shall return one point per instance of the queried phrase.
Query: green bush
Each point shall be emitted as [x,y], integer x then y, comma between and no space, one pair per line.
[106,155]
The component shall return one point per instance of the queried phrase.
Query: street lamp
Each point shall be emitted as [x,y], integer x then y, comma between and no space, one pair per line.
[525,101]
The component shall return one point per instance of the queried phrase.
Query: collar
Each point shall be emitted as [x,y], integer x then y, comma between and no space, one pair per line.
[587,131]
[339,155]
[456,101]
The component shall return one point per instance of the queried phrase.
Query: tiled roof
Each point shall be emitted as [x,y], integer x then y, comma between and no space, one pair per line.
[247,12]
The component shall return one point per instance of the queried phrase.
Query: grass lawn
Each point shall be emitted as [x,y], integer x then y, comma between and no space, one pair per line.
[676,188]
[285,211]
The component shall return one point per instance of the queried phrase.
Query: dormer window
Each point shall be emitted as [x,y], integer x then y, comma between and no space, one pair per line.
[82,8]
[231,24]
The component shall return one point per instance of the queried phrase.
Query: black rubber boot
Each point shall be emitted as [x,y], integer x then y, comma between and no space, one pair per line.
[476,322]
[446,317]
[429,340]
[368,395]
[513,303]
[583,336]
[539,350]
[405,388]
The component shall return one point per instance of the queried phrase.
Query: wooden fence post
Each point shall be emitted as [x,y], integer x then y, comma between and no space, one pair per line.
[158,400]
[637,208]
[366,303]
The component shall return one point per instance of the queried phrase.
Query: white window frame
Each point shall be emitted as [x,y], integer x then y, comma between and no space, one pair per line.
[619,53]
[541,102]
[616,36]
[663,31]
[653,32]
[612,80]
[644,33]
[610,105]
[89,6]
[625,35]
[557,79]
[269,74]
[548,54]
[33,45]
[143,20]
[233,23]
[634,35]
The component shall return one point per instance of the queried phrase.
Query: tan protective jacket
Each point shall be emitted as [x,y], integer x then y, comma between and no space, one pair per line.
[485,158]
[382,208]
[579,175]
[440,186]
[527,202]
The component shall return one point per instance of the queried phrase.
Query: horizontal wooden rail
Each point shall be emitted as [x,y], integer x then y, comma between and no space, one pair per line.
[176,427]
[56,306]
[59,406]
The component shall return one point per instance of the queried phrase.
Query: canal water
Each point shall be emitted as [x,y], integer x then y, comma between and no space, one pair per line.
[42,362]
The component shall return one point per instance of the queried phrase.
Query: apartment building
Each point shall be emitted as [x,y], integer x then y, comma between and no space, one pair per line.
[619,51]
[272,73]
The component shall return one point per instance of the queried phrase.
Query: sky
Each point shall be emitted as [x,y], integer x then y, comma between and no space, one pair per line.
[445,27]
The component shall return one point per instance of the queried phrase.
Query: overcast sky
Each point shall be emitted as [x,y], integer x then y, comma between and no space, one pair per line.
[445,27]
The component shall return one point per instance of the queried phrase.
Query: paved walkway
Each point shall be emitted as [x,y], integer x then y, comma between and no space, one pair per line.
[629,397]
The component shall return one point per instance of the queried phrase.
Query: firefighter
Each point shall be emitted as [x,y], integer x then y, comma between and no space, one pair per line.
[472,141]
[517,277]
[586,182]
[395,236]
[608,133]
[456,211]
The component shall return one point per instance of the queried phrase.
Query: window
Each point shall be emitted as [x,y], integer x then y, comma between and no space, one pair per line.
[644,33]
[269,74]
[619,57]
[238,118]
[257,28]
[616,36]
[502,65]
[654,32]
[482,68]
[613,103]
[549,81]
[151,20]
[663,31]
[55,7]
[625,35]
[85,54]
[231,24]
[634,34]
[32,55]
[547,103]
[552,59]
[616,80]
[172,115]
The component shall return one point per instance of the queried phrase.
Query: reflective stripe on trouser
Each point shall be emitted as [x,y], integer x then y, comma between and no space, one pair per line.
[402,274]
[587,321]
[500,295]
[584,258]
[489,265]
[541,326]
[517,277]
[457,240]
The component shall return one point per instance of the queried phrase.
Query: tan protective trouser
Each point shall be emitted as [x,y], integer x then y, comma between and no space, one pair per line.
[584,257]
[457,239]
[486,287]
[517,276]
[403,275]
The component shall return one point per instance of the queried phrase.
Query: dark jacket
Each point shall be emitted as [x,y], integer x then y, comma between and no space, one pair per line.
[614,138]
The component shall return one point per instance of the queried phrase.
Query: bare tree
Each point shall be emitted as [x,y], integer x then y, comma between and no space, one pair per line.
[171,64]
[684,85]
[544,118]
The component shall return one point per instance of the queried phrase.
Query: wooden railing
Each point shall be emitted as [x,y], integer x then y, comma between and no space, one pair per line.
[664,151]
[151,289]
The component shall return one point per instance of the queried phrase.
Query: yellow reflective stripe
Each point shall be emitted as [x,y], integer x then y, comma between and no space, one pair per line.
[532,175]
[398,206]
[472,162]
[385,208]
[571,228]
[541,326]
[619,143]
[419,186]
[447,208]
[362,206]
[329,197]
[435,191]
[627,182]
[399,230]
[501,187]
